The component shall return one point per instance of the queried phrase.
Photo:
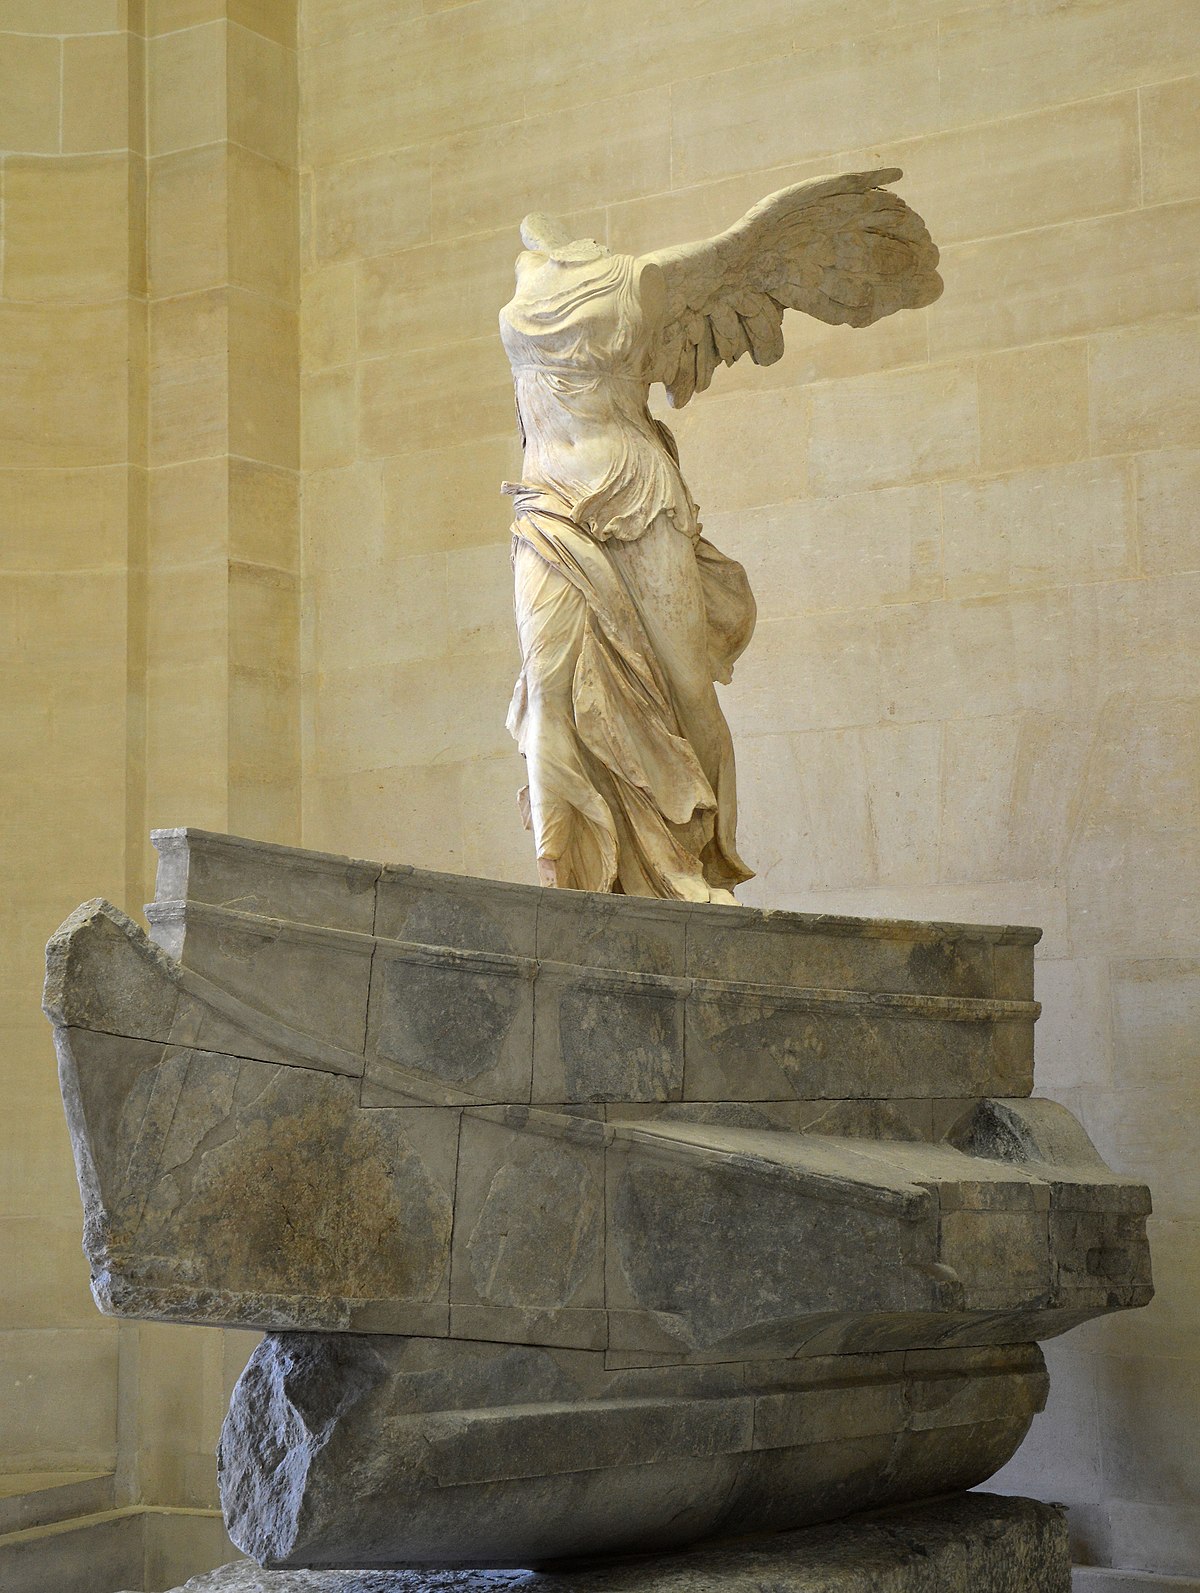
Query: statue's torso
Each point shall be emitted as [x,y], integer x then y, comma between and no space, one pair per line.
[576,337]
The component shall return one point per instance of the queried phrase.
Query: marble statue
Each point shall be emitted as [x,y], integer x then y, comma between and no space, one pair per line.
[626,613]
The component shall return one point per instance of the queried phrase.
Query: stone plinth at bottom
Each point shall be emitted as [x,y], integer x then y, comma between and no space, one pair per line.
[968,1543]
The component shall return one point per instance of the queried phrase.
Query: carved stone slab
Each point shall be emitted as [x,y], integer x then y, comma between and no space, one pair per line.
[971,1543]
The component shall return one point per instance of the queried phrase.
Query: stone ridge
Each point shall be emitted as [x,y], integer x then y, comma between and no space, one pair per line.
[968,1543]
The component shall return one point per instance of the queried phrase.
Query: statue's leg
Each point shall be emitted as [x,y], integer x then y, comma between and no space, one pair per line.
[551,614]
[661,574]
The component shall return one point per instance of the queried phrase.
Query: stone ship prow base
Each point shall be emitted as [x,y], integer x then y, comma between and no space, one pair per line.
[577,1224]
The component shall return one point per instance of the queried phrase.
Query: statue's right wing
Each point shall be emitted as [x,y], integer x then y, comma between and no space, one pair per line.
[843,249]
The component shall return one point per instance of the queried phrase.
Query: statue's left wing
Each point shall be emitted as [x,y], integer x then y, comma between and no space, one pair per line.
[844,249]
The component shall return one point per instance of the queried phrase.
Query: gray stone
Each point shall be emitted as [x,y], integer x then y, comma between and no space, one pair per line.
[973,1543]
[342,1450]
[579,1224]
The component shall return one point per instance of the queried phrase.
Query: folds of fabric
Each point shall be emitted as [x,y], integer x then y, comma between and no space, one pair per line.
[621,796]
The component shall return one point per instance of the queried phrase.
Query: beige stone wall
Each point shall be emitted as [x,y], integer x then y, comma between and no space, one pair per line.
[69,318]
[971,530]
[149,603]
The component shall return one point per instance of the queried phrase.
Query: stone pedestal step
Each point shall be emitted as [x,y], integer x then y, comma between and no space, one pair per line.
[969,1543]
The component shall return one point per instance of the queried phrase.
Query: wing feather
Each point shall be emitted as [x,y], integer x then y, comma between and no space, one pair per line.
[842,249]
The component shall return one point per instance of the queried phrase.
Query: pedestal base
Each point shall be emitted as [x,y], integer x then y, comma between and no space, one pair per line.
[968,1543]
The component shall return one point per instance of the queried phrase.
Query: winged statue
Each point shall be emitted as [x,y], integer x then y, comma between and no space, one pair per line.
[626,614]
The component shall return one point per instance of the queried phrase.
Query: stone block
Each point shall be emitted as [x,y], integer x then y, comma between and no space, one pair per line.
[529,1235]
[1141,382]
[372,206]
[601,1038]
[30,94]
[842,96]
[188,235]
[458,70]
[918,424]
[262,89]
[186,92]
[47,205]
[1033,406]
[568,160]
[464,1021]
[1065,281]
[1170,124]
[1032,60]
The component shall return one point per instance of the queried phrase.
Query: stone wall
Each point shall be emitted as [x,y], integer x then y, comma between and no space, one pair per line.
[68,317]
[149,604]
[970,529]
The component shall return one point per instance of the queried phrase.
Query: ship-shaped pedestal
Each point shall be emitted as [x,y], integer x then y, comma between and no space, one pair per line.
[577,1224]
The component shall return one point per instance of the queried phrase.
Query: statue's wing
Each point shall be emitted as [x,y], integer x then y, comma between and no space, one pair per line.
[843,249]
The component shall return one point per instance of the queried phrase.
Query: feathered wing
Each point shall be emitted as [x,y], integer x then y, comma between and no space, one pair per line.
[844,249]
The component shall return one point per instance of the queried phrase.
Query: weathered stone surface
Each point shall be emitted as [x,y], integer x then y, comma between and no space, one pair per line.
[520,1126]
[973,1543]
[579,1224]
[342,1450]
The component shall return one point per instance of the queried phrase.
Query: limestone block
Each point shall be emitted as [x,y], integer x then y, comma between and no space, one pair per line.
[643,48]
[327,317]
[356,621]
[818,698]
[189,326]
[262,93]
[264,514]
[426,398]
[423,517]
[342,517]
[186,90]
[995,65]
[30,94]
[921,423]
[274,19]
[96,80]
[407,298]
[263,618]
[1008,176]
[566,161]
[1054,282]
[371,206]
[263,205]
[61,1409]
[46,1285]
[943,659]
[1168,535]
[844,95]
[414,80]
[46,206]
[188,235]
[804,557]
[385,806]
[479,599]
[774,425]
[329,419]
[1033,406]
[189,410]
[1155,1005]
[1170,121]
[65,519]
[168,16]
[63,383]
[1142,381]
